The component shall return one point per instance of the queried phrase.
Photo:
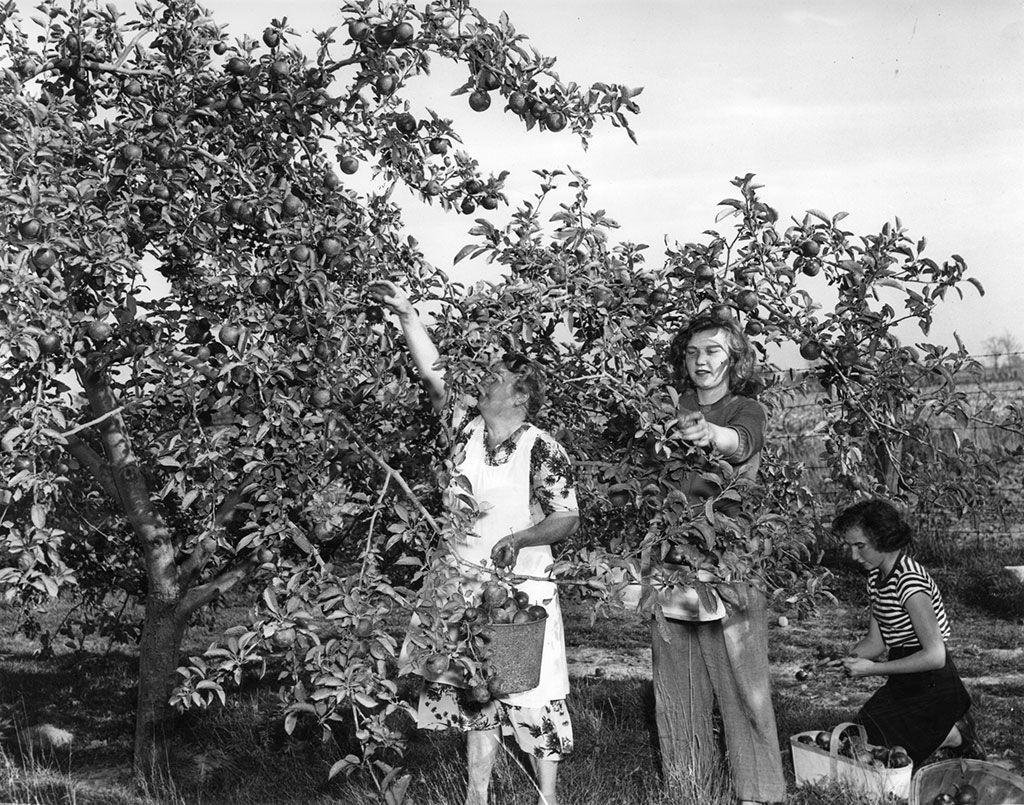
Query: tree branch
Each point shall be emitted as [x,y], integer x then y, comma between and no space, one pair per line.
[94,461]
[205,593]
[130,486]
[394,474]
[189,569]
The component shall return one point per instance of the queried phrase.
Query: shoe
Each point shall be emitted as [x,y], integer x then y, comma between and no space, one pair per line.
[970,746]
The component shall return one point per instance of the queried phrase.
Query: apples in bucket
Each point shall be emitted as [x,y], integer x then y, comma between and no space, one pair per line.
[465,643]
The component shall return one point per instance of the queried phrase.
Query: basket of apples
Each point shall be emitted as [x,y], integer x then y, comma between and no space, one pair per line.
[965,781]
[845,754]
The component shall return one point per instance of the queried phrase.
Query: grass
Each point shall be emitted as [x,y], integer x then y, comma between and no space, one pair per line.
[239,754]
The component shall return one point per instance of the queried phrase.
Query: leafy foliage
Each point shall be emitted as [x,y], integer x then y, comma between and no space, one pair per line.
[249,418]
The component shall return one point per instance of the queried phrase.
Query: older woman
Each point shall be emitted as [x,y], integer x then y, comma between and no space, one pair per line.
[703,655]
[522,481]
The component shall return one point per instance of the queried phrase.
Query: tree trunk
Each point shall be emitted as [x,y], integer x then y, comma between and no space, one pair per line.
[159,650]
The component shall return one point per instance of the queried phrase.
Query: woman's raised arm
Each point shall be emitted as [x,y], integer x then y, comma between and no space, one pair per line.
[421,347]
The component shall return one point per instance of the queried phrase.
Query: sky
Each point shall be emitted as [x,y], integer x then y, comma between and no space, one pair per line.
[879,108]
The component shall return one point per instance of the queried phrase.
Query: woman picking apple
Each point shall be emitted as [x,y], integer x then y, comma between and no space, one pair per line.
[522,482]
[923,706]
[703,655]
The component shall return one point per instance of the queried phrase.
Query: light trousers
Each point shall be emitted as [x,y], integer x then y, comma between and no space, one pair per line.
[724,661]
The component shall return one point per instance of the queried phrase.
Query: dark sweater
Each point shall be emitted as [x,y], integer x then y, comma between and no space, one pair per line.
[744,415]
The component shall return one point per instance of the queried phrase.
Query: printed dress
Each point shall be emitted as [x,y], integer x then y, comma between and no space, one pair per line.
[515,486]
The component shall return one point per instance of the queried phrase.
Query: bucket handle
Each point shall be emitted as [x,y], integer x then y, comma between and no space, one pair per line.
[833,744]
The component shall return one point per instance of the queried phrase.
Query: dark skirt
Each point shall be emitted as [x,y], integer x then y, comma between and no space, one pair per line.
[915,711]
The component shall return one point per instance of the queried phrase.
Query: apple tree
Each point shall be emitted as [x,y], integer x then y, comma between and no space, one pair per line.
[192,380]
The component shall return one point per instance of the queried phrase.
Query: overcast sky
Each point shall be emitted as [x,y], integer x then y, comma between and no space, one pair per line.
[875,107]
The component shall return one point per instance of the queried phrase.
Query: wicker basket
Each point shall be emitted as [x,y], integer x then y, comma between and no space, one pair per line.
[514,653]
[996,785]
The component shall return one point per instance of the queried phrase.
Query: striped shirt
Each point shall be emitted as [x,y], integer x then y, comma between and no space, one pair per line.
[889,602]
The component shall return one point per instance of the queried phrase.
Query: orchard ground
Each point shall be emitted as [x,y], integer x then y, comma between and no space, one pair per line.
[239,753]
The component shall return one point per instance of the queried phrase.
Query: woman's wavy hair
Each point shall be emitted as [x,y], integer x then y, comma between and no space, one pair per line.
[743,378]
[881,522]
[530,379]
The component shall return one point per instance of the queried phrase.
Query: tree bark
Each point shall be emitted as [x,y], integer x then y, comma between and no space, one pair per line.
[159,648]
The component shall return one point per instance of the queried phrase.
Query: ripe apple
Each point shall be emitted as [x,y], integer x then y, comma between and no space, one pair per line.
[44,258]
[517,102]
[357,30]
[522,616]
[539,109]
[468,206]
[436,664]
[220,48]
[810,350]
[291,205]
[349,164]
[330,247]
[284,637]
[899,758]
[966,794]
[802,675]
[556,121]
[847,356]
[473,186]
[300,253]
[804,738]
[237,66]
[229,335]
[493,594]
[810,247]
[471,615]
[432,188]
[384,34]
[823,740]
[438,145]
[374,314]
[98,331]
[133,89]
[363,627]
[321,398]
[479,100]
[657,297]
[537,612]
[521,598]
[30,228]
[809,267]
[49,343]
[404,33]
[489,202]
[943,799]
[703,273]
[405,123]
[131,152]
[747,300]
[271,38]
[620,497]
[265,556]
[385,84]
[753,327]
